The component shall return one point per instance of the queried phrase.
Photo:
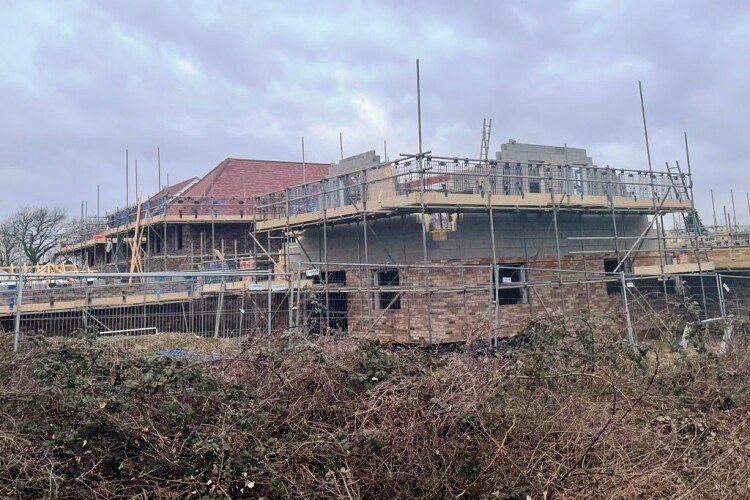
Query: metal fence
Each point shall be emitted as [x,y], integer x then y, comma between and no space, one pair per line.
[464,303]
[423,304]
[217,304]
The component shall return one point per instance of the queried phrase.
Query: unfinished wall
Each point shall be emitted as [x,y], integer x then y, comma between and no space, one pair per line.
[521,236]
[354,163]
[186,246]
[466,311]
[513,151]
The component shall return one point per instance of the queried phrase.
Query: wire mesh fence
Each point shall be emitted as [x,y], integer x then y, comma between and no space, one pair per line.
[226,305]
[423,304]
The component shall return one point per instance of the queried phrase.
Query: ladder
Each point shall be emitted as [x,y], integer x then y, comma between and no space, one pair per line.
[677,179]
[682,191]
[484,150]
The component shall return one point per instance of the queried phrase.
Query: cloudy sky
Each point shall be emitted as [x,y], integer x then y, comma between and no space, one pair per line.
[208,79]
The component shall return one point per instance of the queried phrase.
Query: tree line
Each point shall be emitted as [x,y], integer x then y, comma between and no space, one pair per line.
[30,235]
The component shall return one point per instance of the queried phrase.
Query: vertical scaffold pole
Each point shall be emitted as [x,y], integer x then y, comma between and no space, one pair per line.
[654,195]
[290,301]
[326,274]
[425,222]
[696,229]
[299,292]
[494,274]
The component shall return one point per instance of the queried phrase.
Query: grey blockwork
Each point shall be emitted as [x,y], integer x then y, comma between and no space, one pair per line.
[513,151]
[516,236]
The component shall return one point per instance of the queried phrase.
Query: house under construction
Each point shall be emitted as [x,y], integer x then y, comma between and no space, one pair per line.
[422,249]
[409,246]
[190,223]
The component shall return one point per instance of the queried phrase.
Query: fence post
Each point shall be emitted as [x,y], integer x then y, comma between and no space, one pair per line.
[19,301]
[631,335]
[720,287]
[290,301]
[270,300]
[727,325]
[299,296]
[496,298]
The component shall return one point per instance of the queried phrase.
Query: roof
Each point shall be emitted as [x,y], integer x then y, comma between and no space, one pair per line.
[229,188]
[175,189]
[235,178]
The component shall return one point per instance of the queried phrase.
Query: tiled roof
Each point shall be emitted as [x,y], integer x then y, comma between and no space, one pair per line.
[230,187]
[235,178]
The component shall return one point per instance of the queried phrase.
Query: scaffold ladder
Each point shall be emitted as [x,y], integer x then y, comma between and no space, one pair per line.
[682,191]
[484,151]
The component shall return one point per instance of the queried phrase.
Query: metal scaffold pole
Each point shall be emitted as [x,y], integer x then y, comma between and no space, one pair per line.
[494,271]
[325,272]
[696,228]
[654,196]
[559,257]
[425,222]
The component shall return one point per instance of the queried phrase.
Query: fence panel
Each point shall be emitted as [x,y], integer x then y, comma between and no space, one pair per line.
[223,304]
[422,304]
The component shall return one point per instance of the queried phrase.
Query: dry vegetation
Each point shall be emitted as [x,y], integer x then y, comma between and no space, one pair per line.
[559,412]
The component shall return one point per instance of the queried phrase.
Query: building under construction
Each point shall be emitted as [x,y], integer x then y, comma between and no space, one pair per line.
[422,249]
[190,223]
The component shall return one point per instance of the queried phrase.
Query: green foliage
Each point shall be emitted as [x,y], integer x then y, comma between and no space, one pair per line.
[694,224]
[469,465]
[310,421]
[88,333]
[375,366]
[376,445]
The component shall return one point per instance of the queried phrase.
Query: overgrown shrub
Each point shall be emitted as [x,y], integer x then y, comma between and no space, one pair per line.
[564,410]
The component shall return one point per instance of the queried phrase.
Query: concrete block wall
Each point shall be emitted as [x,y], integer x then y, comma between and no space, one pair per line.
[518,235]
[354,163]
[513,151]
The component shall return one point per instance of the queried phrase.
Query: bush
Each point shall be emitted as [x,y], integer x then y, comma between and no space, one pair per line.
[564,410]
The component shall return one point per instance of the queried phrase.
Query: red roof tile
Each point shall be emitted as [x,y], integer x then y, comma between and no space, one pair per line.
[231,186]
[235,178]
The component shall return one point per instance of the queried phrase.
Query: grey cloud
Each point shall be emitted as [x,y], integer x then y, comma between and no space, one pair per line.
[207,80]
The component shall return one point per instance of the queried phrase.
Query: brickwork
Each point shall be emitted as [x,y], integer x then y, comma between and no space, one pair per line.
[460,306]
[730,257]
[198,241]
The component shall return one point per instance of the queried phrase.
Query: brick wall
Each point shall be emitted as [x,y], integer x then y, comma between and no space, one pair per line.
[465,311]
[198,242]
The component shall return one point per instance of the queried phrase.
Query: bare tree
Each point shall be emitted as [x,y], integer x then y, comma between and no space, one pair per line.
[37,230]
[8,246]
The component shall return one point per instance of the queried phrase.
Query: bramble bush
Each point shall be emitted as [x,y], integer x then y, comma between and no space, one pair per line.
[563,410]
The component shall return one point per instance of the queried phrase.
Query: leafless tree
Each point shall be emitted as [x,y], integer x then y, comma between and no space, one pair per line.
[8,246]
[37,230]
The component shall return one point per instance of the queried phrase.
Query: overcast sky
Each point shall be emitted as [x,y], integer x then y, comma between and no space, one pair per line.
[204,80]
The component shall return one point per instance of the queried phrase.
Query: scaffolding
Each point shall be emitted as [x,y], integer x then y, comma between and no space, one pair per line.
[438,190]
